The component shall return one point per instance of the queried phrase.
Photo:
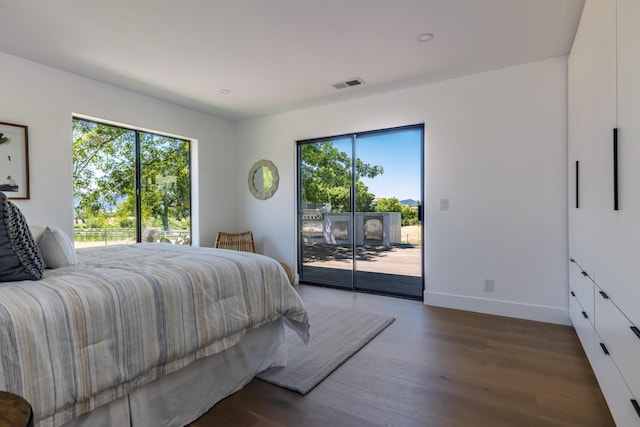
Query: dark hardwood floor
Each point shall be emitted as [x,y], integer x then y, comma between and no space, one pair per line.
[435,367]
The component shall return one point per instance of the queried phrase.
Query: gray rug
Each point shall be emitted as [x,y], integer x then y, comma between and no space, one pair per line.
[336,335]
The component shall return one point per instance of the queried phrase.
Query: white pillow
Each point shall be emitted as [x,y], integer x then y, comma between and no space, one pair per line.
[36,231]
[56,248]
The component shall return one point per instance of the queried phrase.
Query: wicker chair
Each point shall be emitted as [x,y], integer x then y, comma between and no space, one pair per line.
[244,242]
[236,241]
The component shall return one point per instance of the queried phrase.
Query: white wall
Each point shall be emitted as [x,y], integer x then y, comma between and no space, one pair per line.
[495,146]
[45,98]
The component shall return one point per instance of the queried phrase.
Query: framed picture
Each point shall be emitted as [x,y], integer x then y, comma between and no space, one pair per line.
[14,161]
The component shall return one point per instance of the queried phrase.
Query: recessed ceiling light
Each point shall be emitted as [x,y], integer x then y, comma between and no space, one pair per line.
[425,37]
[225,91]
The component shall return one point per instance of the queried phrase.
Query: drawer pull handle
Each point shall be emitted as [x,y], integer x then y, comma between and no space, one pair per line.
[577,184]
[636,406]
[572,294]
[604,295]
[604,349]
[636,331]
[584,273]
[585,315]
[615,170]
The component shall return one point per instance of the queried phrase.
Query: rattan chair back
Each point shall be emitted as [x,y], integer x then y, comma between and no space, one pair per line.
[236,241]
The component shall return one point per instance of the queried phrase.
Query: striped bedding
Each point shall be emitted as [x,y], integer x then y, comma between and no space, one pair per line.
[126,315]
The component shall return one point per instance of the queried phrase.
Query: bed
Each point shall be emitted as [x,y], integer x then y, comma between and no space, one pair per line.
[144,334]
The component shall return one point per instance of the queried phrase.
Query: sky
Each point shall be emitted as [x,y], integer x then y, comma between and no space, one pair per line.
[399,154]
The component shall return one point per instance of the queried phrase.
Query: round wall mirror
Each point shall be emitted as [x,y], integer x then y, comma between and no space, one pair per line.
[263,179]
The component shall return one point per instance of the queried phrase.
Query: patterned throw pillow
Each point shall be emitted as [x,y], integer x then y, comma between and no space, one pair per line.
[20,257]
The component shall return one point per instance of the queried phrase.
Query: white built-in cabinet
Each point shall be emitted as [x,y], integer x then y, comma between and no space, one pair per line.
[629,135]
[604,199]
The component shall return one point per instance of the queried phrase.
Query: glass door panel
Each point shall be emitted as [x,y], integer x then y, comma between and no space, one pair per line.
[165,202]
[104,184]
[325,218]
[388,251]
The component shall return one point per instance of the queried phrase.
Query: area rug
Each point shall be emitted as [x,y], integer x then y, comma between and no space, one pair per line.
[336,335]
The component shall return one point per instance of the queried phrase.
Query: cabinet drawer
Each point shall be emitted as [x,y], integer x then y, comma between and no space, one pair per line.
[621,341]
[583,287]
[583,328]
[615,390]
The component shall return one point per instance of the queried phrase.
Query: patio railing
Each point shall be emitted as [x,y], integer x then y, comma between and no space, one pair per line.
[112,236]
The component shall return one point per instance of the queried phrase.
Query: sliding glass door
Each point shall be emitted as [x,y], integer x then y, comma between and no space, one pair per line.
[360,221]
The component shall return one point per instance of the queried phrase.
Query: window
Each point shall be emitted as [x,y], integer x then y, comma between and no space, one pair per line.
[129,186]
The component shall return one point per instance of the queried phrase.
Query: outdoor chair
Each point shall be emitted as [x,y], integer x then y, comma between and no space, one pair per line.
[244,242]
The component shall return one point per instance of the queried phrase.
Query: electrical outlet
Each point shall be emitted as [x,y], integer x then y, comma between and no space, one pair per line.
[488,285]
[444,204]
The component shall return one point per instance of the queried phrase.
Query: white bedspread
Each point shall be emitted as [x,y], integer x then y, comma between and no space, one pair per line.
[126,315]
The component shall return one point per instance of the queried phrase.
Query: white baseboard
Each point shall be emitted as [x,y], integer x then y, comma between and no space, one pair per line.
[541,313]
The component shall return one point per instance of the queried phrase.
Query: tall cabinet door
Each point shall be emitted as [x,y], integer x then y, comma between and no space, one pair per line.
[595,66]
[629,146]
[573,157]
[578,232]
[599,120]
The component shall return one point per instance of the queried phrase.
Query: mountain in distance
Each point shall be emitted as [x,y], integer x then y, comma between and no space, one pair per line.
[409,202]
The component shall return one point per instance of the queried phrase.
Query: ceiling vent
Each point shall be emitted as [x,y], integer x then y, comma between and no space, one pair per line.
[357,81]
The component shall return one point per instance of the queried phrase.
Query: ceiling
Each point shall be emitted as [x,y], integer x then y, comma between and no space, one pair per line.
[279,55]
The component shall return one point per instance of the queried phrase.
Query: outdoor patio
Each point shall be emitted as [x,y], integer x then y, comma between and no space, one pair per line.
[395,269]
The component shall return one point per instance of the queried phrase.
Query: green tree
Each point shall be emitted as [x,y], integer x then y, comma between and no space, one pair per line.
[326,178]
[391,204]
[407,213]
